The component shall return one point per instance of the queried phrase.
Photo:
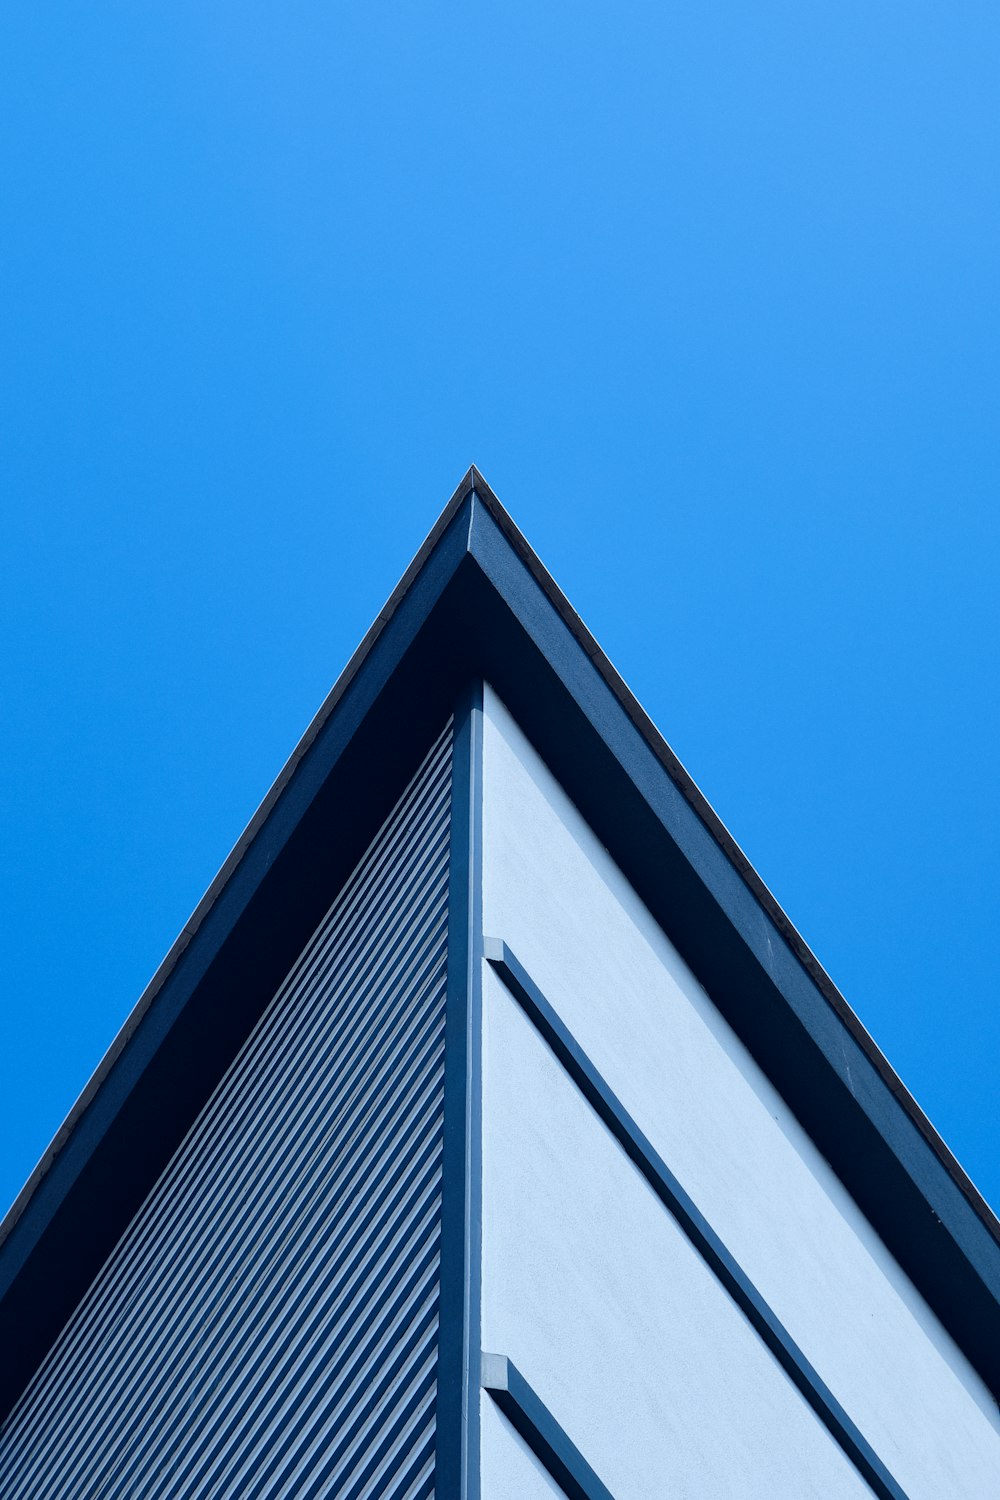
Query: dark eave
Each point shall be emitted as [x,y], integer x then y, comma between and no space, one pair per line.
[234,858]
[476,602]
[709,817]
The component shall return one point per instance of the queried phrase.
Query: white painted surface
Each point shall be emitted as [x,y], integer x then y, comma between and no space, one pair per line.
[509,1469]
[555,896]
[599,1299]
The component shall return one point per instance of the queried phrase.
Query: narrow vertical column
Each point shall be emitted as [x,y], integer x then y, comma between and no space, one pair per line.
[457,1464]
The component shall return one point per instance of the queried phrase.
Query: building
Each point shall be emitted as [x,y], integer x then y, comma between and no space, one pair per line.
[490,1131]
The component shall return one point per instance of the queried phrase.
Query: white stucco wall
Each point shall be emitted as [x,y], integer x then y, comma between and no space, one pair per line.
[611,1314]
[593,1291]
[509,1469]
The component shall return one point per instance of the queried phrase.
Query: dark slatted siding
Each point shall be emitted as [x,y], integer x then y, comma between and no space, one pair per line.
[268,1324]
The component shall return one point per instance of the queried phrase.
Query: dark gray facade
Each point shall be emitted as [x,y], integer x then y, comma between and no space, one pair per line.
[268,1324]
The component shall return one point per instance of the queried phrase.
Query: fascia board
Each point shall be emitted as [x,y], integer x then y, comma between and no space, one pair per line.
[744,949]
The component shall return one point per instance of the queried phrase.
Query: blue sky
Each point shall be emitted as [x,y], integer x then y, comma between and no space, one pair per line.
[709,291]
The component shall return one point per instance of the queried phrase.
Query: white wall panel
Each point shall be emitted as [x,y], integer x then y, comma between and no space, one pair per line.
[555,896]
[610,1314]
[509,1469]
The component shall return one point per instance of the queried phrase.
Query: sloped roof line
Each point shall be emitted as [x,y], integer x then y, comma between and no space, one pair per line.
[235,855]
[489,549]
[475,486]
[699,803]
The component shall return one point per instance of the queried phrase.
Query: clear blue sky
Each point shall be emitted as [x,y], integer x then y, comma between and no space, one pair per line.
[709,291]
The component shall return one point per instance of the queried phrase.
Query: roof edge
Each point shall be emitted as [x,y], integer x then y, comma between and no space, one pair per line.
[467,486]
[699,804]
[472,489]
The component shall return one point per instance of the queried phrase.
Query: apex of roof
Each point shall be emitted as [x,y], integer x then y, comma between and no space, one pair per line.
[476,603]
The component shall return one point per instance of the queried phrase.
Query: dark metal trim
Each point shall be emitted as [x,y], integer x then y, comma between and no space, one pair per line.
[453,548]
[790,1017]
[457,1426]
[699,804]
[192,1019]
[529,1415]
[696,1227]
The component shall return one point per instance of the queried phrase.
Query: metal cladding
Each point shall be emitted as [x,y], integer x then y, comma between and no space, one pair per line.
[268,1323]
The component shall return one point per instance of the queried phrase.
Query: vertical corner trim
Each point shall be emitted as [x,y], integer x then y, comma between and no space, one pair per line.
[457,1458]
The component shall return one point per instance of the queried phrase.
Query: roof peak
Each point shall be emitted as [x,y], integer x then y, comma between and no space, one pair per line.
[476,603]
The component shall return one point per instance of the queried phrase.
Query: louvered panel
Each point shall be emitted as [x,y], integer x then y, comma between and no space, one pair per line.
[268,1324]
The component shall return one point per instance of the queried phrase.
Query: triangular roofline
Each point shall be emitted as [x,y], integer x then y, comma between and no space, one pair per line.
[477,604]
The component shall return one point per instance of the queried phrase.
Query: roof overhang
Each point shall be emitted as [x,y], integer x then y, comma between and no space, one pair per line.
[476,603]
